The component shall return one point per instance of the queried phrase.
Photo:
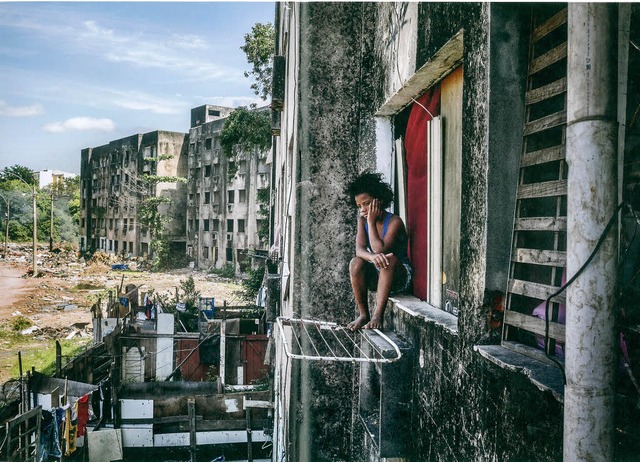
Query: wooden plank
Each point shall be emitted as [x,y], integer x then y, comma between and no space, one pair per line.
[534,324]
[541,224]
[541,257]
[543,156]
[546,91]
[545,123]
[549,25]
[544,189]
[535,290]
[550,57]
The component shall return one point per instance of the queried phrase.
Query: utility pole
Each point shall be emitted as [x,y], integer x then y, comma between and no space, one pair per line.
[6,224]
[35,234]
[54,185]
[35,220]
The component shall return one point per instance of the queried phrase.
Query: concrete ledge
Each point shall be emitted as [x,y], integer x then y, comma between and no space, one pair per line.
[544,376]
[428,313]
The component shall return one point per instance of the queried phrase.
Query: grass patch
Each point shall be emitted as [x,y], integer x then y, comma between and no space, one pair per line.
[43,357]
[38,354]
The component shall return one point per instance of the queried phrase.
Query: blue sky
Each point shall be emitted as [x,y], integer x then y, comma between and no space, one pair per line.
[76,75]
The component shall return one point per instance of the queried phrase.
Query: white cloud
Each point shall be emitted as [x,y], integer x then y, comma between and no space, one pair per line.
[80,124]
[234,101]
[20,111]
[188,42]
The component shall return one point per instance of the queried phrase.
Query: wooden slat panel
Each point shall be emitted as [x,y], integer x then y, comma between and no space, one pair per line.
[541,257]
[535,325]
[541,224]
[544,123]
[544,189]
[543,156]
[546,92]
[550,25]
[535,290]
[550,57]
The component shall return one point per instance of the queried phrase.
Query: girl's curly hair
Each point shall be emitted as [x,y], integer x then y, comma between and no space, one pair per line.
[372,184]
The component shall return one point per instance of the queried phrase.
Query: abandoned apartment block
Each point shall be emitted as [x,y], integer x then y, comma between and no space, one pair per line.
[224,215]
[209,203]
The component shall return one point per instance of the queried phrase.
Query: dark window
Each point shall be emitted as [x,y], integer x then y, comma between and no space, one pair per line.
[207,197]
[207,143]
[229,226]
[242,195]
[214,113]
[231,197]
[241,226]
[206,224]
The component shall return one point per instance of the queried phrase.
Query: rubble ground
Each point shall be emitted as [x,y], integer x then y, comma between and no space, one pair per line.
[56,305]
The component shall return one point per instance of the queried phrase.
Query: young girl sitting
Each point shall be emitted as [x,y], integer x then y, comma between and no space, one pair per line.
[381,261]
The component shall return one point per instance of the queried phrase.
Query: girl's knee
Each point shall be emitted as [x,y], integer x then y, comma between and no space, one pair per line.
[356,265]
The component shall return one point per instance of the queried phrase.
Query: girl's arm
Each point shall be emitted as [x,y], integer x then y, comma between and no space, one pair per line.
[361,242]
[394,230]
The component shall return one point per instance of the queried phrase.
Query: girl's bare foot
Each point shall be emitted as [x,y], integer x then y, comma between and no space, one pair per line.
[357,323]
[375,323]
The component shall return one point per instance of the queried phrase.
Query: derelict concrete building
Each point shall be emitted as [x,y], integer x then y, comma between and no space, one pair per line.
[113,188]
[508,134]
[223,211]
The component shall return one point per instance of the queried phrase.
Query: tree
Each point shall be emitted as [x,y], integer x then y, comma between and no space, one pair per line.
[259,48]
[16,172]
[245,130]
[149,216]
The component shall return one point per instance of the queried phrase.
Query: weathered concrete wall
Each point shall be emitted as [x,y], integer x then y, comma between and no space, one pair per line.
[464,407]
[330,100]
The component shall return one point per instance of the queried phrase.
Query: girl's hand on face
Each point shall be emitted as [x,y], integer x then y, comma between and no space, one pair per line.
[374,210]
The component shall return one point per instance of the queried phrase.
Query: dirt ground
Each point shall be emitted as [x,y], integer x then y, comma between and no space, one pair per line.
[59,300]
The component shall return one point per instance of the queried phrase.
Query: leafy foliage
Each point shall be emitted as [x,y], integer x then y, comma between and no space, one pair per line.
[252,284]
[259,48]
[190,298]
[66,206]
[17,172]
[245,130]
[155,179]
[227,271]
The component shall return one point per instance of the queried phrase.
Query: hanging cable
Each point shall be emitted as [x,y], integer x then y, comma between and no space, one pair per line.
[603,236]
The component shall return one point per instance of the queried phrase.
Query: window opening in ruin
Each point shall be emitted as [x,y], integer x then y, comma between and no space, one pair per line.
[207,197]
[214,113]
[215,225]
[230,197]
[327,341]
[229,226]
[207,144]
[206,224]
[242,195]
[207,171]
[241,226]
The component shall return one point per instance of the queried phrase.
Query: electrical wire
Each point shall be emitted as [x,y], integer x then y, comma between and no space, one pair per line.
[601,240]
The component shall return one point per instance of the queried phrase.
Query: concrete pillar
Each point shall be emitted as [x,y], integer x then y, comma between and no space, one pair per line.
[592,195]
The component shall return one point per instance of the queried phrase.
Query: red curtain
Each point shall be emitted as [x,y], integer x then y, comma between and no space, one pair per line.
[415,144]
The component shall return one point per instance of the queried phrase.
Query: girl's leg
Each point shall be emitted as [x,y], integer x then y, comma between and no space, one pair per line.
[385,282]
[359,286]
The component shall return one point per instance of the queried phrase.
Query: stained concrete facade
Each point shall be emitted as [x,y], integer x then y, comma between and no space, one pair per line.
[351,71]
[112,190]
[223,212]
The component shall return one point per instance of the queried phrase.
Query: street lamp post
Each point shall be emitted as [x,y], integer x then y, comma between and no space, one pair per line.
[6,224]
[35,221]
